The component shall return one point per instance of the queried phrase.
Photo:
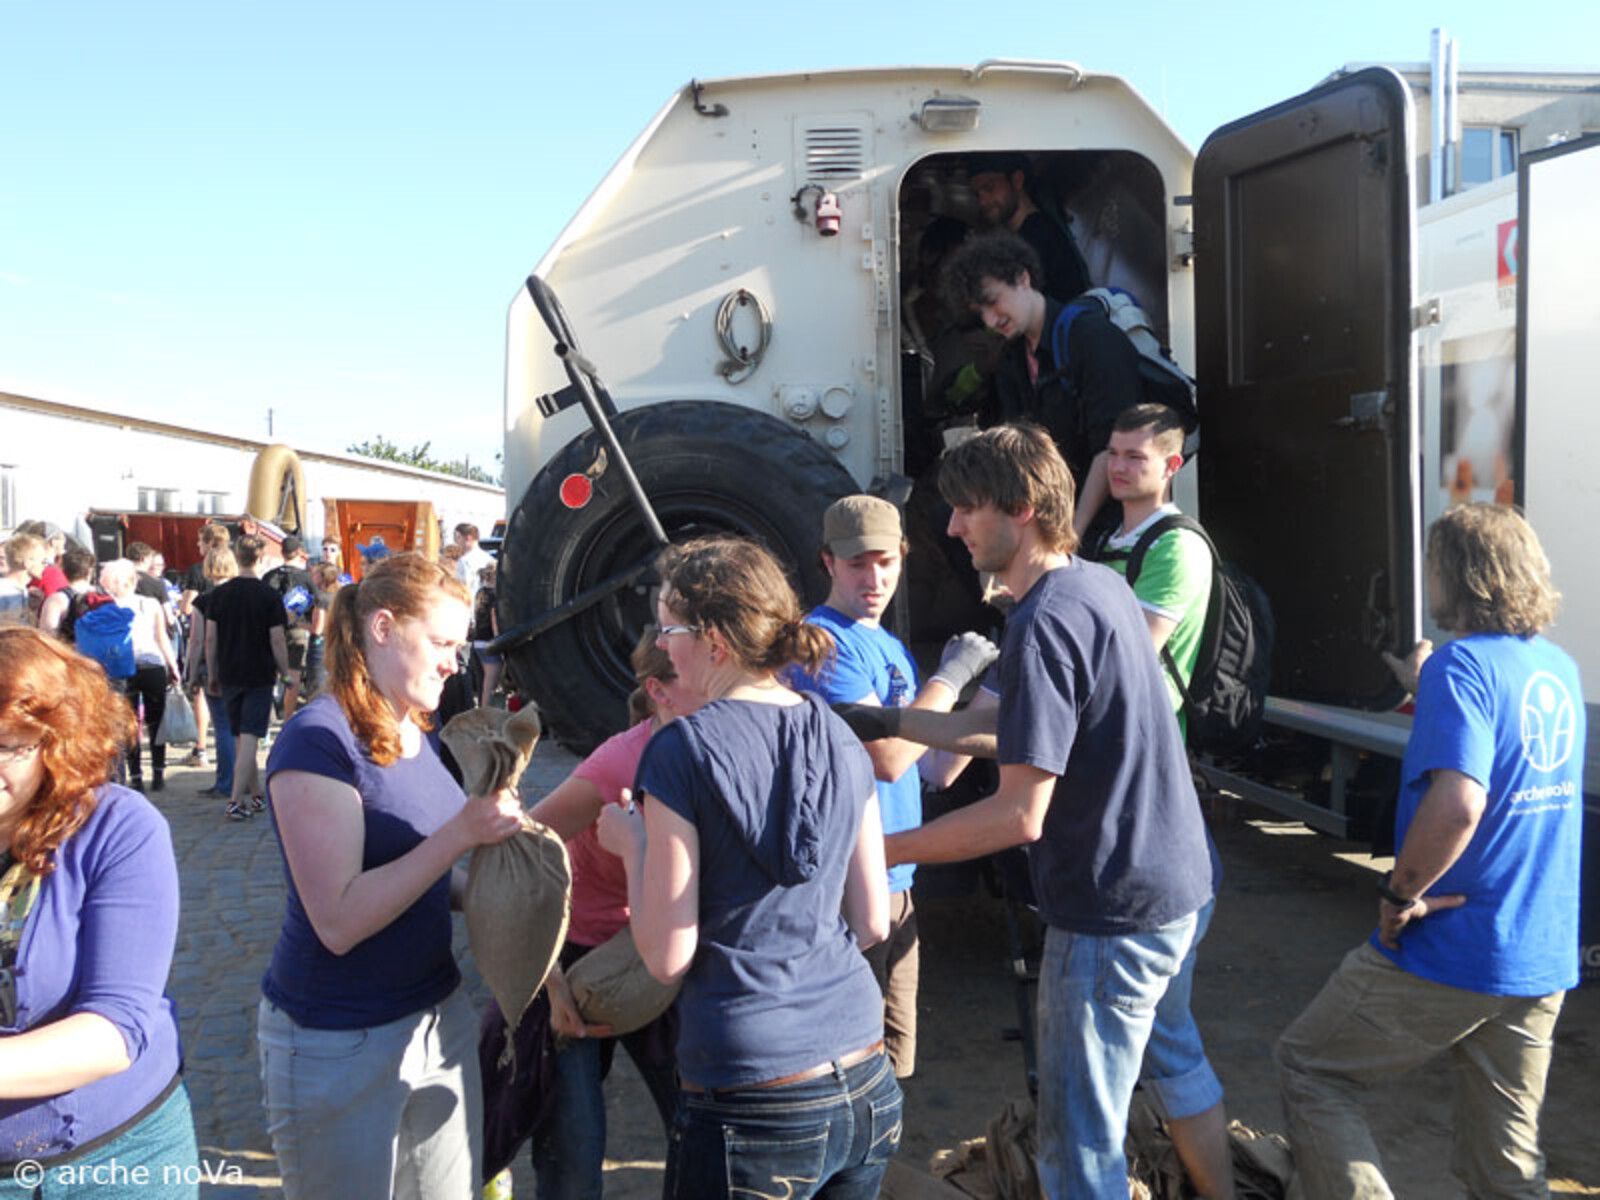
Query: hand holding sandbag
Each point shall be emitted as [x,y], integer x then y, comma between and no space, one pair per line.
[612,987]
[966,656]
[485,820]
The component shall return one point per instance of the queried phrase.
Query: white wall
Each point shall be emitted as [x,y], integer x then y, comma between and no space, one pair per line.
[61,464]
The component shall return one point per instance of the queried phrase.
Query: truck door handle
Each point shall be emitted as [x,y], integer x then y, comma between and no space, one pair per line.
[1369,412]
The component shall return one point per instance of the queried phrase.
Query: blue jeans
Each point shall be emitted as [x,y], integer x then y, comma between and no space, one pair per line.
[1098,998]
[156,1159]
[1177,1074]
[225,743]
[829,1138]
[569,1148]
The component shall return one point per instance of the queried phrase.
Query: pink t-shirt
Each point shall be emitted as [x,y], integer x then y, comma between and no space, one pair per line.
[599,880]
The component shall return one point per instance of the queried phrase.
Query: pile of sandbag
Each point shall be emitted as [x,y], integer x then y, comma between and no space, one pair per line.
[518,896]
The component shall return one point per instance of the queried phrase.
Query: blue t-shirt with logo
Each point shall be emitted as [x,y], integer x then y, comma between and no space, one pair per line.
[1508,712]
[870,661]
[1082,697]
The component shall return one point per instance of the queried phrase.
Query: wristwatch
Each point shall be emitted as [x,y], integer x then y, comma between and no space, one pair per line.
[1393,897]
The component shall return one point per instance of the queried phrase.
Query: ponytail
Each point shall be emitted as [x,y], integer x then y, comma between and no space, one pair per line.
[404,584]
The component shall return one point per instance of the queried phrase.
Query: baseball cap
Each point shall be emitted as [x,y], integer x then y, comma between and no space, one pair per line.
[857,524]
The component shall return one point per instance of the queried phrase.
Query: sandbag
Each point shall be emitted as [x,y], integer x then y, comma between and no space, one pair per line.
[491,746]
[519,891]
[517,906]
[612,987]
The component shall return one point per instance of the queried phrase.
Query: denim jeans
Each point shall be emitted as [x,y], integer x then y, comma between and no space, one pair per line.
[393,1110]
[155,1160]
[829,1138]
[1098,998]
[569,1147]
[225,743]
[1176,1074]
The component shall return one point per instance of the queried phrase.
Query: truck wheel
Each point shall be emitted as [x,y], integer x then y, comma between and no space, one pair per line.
[707,468]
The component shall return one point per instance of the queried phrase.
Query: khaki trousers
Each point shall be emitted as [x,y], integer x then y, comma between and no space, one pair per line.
[1372,1022]
[895,963]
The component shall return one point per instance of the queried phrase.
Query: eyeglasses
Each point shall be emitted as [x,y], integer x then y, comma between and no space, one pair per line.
[10,755]
[669,630]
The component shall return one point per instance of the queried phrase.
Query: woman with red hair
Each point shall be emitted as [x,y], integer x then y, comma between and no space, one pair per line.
[89,1056]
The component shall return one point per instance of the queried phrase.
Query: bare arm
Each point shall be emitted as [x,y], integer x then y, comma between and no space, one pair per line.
[969,731]
[1013,816]
[941,768]
[186,601]
[54,609]
[1445,822]
[866,885]
[164,643]
[893,757]
[280,648]
[323,830]
[571,808]
[661,852]
[1160,628]
[60,1056]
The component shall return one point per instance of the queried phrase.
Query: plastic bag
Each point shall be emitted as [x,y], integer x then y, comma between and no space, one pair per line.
[177,723]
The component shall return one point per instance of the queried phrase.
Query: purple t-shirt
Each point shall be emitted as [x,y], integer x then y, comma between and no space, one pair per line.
[100,939]
[407,965]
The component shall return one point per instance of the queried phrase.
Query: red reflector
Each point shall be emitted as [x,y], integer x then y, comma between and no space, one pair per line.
[576,491]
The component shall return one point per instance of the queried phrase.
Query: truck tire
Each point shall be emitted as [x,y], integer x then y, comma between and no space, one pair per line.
[707,468]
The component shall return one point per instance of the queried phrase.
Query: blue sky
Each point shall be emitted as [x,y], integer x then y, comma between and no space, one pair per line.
[212,210]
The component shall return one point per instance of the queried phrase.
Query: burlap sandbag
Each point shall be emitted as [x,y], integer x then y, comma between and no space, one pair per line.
[613,988]
[518,896]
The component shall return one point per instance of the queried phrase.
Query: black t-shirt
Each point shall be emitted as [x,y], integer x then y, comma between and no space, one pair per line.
[1078,406]
[1065,274]
[145,584]
[285,580]
[244,611]
[194,579]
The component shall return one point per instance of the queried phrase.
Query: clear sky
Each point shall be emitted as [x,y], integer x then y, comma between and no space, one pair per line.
[210,210]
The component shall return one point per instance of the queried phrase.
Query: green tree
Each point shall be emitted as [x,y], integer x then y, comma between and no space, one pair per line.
[381,447]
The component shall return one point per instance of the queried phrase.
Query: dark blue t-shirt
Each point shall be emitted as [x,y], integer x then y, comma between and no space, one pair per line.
[407,965]
[775,794]
[870,661]
[1508,712]
[1082,696]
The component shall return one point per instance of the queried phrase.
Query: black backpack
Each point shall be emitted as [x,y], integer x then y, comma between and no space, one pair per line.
[1226,697]
[1161,381]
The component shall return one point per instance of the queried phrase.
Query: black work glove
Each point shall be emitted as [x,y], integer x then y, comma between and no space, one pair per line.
[870,722]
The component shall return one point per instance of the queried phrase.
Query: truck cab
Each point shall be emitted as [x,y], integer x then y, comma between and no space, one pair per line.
[755,282]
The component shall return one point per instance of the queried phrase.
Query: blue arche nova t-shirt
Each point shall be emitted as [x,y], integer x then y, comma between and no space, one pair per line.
[1508,712]
[406,966]
[871,661]
[1082,697]
[776,796]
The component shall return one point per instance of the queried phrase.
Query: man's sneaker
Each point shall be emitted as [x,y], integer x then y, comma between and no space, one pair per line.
[236,812]
[257,804]
[195,758]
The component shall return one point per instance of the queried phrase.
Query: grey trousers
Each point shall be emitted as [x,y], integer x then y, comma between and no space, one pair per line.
[395,1110]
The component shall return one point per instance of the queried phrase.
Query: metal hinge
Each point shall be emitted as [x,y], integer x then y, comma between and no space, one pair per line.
[1183,246]
[1429,312]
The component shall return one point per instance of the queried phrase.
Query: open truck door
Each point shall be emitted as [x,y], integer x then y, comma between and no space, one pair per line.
[1304,215]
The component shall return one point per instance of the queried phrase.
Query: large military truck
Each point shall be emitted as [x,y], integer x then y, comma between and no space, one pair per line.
[732,331]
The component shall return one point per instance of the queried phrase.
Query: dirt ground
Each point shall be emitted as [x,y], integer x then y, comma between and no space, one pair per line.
[1292,903]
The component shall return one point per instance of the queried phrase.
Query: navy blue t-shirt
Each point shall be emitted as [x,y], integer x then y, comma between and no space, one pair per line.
[406,966]
[775,794]
[1082,697]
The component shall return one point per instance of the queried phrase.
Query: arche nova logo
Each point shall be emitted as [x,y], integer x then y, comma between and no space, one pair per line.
[1549,722]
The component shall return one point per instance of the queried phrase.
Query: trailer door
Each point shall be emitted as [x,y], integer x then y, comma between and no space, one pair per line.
[1303,293]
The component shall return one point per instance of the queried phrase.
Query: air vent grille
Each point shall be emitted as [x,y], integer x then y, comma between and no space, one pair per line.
[835,153]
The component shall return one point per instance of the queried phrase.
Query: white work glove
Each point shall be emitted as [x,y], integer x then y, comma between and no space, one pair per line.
[966,656]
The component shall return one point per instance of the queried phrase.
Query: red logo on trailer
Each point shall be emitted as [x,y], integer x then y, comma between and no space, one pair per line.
[1507,251]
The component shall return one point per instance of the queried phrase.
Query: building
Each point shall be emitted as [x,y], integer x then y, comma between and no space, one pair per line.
[58,461]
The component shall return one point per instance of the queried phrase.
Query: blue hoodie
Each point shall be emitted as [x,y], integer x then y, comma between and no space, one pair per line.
[776,795]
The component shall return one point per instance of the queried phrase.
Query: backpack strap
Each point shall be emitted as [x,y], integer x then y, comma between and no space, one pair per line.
[1148,539]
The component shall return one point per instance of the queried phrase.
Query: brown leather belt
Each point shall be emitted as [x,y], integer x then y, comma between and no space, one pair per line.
[816,1072]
